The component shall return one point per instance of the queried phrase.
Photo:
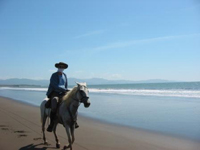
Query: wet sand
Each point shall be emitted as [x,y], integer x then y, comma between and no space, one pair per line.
[20,129]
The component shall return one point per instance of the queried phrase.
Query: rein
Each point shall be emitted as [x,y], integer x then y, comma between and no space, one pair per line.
[68,108]
[74,98]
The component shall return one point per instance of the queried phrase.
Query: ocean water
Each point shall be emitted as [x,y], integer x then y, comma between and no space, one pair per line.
[172,108]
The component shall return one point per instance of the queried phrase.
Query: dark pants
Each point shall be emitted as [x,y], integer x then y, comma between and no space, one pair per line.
[54,104]
[54,98]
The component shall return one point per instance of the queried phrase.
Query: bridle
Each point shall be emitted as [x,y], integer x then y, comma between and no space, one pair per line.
[84,98]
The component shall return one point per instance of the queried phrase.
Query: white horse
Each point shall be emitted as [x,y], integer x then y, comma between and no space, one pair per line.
[67,112]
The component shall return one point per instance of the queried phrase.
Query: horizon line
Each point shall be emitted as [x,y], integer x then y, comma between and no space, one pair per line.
[129,80]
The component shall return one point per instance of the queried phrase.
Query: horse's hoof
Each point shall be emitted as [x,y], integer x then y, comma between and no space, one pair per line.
[58,145]
[46,143]
[65,147]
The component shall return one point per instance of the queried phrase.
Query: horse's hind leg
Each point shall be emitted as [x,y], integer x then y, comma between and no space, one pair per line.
[43,129]
[56,137]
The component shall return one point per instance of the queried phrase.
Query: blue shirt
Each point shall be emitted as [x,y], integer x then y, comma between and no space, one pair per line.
[62,81]
[58,83]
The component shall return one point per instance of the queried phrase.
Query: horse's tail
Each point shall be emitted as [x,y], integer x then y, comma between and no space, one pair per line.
[42,110]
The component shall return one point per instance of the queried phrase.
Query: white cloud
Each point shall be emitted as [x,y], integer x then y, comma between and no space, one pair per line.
[52,70]
[111,76]
[89,34]
[116,76]
[143,41]
[124,44]
[79,71]
[190,8]
[124,24]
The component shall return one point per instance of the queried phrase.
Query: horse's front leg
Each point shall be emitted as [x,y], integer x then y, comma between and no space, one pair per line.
[56,137]
[72,133]
[73,126]
[67,128]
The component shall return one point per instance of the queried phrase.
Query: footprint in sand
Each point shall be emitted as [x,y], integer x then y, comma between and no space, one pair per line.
[35,139]
[4,127]
[21,133]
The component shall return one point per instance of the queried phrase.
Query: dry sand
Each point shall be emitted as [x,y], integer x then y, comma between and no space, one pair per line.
[20,129]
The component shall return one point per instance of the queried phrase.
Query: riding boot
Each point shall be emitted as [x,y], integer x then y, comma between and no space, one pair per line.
[76,125]
[52,120]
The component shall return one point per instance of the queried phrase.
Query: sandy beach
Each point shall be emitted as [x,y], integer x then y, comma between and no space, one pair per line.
[20,129]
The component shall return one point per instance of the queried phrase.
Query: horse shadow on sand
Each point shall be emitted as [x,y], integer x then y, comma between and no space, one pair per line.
[34,147]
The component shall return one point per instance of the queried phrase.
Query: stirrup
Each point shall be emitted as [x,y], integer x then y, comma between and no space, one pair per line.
[76,125]
[50,128]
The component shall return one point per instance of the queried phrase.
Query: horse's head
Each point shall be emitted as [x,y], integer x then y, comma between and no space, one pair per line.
[83,94]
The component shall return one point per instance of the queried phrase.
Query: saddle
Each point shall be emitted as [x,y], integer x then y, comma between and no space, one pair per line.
[52,95]
[48,103]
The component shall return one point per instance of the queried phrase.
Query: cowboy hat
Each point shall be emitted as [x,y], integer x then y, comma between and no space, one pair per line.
[61,65]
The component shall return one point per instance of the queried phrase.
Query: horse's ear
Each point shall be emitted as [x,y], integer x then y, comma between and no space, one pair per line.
[77,83]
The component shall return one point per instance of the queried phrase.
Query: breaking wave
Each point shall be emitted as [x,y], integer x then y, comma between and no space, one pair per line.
[139,92]
[173,93]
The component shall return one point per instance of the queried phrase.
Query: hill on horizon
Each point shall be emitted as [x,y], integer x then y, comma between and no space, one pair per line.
[71,81]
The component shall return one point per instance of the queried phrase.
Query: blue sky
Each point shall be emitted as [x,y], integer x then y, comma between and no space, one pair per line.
[111,39]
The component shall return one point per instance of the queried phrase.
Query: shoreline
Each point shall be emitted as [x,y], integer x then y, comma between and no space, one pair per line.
[111,123]
[20,122]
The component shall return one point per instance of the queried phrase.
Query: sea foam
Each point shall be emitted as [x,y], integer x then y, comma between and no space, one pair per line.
[139,92]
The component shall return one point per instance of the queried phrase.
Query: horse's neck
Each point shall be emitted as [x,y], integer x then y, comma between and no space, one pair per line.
[69,97]
[69,100]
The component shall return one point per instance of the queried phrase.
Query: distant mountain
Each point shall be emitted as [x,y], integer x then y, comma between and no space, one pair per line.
[71,81]
[16,81]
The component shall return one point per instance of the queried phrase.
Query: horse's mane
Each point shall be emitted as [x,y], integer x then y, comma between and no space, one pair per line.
[67,98]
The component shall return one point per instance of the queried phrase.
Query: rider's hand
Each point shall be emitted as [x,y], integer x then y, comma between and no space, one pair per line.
[67,91]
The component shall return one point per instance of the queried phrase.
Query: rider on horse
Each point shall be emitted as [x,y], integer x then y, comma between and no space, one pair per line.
[58,87]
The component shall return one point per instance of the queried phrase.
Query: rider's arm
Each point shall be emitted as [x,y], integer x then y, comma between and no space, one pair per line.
[55,84]
[66,83]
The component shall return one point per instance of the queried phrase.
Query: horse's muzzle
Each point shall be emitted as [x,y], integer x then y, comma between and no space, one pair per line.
[87,104]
